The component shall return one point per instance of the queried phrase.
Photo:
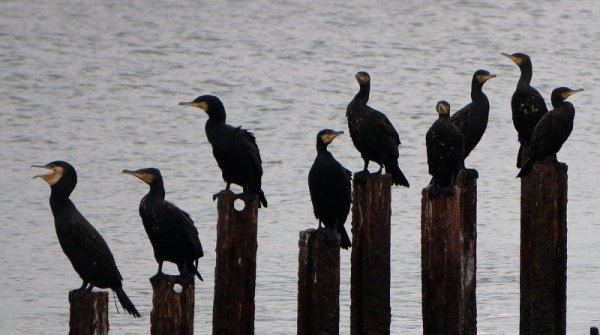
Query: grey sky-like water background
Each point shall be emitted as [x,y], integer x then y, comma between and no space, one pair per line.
[97,83]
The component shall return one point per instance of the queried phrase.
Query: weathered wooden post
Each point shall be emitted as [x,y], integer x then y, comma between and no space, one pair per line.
[319,282]
[89,313]
[370,311]
[448,260]
[172,308]
[593,331]
[235,271]
[544,250]
[468,190]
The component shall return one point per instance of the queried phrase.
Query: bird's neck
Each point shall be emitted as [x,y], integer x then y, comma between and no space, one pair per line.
[526,74]
[58,201]
[216,114]
[476,90]
[363,93]
[444,116]
[157,190]
[321,147]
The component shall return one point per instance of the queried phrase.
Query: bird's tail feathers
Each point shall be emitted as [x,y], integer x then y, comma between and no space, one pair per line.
[526,169]
[126,303]
[344,238]
[398,177]
[262,198]
[198,274]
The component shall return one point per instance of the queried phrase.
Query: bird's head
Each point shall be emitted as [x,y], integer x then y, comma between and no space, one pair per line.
[363,78]
[561,94]
[61,176]
[481,76]
[519,58]
[211,104]
[326,136]
[147,175]
[442,107]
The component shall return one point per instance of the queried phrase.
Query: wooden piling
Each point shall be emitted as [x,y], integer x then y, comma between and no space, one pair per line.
[235,271]
[319,282]
[370,311]
[468,197]
[448,260]
[172,305]
[593,331]
[88,313]
[544,250]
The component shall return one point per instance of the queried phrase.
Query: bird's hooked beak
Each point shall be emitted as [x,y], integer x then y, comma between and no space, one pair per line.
[202,105]
[571,92]
[515,59]
[143,176]
[51,177]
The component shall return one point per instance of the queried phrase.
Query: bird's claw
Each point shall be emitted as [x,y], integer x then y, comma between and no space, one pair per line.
[471,173]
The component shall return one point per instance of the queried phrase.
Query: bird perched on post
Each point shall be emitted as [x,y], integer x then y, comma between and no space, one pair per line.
[472,119]
[372,133]
[234,148]
[552,130]
[330,189]
[171,231]
[445,147]
[84,246]
[527,104]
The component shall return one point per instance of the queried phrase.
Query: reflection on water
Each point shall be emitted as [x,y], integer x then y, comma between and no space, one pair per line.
[97,84]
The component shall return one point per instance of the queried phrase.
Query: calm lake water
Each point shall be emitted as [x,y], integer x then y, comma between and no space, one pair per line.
[97,83]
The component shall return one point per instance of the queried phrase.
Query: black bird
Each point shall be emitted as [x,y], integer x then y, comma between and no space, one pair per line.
[552,131]
[84,246]
[234,148]
[445,147]
[372,133]
[472,119]
[527,104]
[171,231]
[330,190]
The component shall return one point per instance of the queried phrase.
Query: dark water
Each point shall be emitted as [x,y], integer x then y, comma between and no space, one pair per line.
[97,83]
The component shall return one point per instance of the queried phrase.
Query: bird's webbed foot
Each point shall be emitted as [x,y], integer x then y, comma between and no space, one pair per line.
[216,195]
[185,279]
[320,225]
[331,236]
[470,173]
[561,166]
[246,196]
[433,191]
[84,286]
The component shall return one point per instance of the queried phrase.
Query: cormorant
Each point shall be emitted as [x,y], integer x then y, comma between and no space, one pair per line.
[552,130]
[527,104]
[234,148]
[445,147]
[330,190]
[171,231]
[84,246]
[472,119]
[372,133]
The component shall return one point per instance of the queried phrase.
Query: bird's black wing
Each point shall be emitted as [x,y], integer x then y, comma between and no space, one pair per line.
[248,140]
[461,118]
[90,248]
[528,106]
[381,124]
[183,224]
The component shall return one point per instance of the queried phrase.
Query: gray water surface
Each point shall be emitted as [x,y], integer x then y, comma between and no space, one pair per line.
[97,83]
